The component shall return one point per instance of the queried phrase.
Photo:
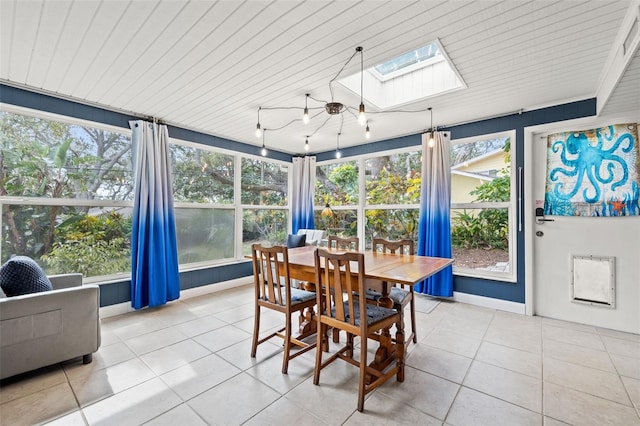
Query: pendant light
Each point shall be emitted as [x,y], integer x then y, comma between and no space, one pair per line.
[432,141]
[258,130]
[263,151]
[305,116]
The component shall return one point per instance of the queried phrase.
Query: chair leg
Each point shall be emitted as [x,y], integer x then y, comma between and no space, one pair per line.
[400,348]
[363,372]
[287,345]
[414,333]
[256,331]
[336,335]
[350,345]
[320,337]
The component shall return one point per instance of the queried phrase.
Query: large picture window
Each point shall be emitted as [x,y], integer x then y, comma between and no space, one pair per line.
[392,184]
[481,206]
[265,204]
[66,191]
[203,188]
[337,186]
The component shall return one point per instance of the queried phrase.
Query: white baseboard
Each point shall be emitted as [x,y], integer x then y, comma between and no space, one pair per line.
[488,302]
[123,308]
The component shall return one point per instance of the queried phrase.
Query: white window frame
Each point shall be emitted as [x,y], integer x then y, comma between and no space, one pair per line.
[510,205]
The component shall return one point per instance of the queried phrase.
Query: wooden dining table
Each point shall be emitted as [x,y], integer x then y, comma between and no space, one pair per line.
[381,270]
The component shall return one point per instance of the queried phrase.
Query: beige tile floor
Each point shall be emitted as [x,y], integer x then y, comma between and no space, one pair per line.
[188,363]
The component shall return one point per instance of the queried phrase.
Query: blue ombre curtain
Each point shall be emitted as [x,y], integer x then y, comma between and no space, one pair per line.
[154,255]
[434,234]
[304,184]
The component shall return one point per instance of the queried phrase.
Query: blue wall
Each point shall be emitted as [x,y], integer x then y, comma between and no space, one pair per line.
[515,292]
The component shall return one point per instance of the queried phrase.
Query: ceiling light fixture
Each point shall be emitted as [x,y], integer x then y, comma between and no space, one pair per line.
[305,116]
[338,153]
[258,131]
[263,151]
[332,108]
[362,118]
[432,141]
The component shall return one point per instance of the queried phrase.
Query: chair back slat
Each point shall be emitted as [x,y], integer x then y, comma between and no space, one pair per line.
[268,278]
[343,277]
[405,246]
[346,243]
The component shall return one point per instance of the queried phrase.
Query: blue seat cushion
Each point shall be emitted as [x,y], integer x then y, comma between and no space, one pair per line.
[22,275]
[397,294]
[374,313]
[297,295]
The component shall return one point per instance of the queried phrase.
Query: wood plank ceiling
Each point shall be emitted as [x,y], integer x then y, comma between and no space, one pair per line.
[208,66]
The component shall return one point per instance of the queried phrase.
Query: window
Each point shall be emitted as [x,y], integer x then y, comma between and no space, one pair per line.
[67,191]
[201,176]
[482,207]
[409,61]
[392,184]
[265,204]
[203,197]
[421,73]
[337,186]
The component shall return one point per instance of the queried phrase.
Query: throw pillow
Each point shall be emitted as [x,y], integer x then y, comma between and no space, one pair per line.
[22,275]
[296,240]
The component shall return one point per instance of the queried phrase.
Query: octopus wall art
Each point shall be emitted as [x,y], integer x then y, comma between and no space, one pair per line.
[593,172]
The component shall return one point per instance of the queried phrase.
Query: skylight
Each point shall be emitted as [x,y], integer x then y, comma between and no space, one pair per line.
[409,61]
[418,74]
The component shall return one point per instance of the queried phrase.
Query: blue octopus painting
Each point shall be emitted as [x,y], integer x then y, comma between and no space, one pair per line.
[594,172]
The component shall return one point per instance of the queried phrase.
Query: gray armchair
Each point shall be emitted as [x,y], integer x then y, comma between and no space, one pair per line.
[41,329]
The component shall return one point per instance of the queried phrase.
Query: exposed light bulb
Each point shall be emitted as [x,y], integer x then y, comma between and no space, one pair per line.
[432,141]
[338,154]
[258,131]
[306,145]
[263,151]
[367,132]
[362,118]
[305,116]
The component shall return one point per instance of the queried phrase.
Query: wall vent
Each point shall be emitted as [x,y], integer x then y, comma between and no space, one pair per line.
[593,280]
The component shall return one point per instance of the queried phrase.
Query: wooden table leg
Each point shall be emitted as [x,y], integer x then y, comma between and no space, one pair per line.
[385,301]
[308,323]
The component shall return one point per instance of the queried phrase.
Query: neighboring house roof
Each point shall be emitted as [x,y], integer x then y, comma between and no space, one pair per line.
[480,176]
[478,159]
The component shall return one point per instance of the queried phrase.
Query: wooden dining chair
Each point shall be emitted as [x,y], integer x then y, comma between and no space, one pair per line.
[397,292]
[343,243]
[343,274]
[273,290]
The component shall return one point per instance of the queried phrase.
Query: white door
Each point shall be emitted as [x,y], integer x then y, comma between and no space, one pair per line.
[554,243]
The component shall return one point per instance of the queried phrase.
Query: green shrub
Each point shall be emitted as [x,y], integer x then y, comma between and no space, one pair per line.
[91,245]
